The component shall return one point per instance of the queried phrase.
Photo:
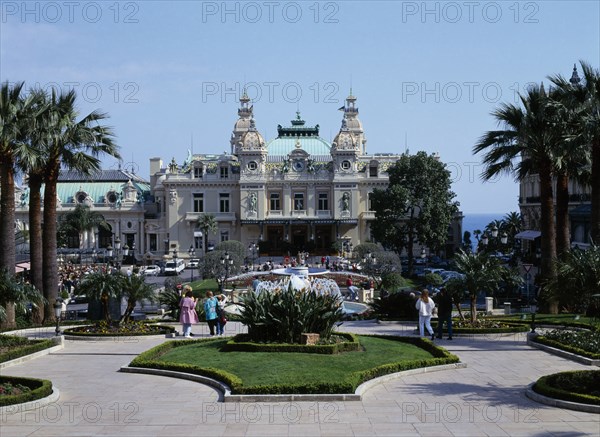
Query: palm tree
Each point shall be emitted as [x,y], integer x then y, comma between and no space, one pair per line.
[18,294]
[135,289]
[584,97]
[102,287]
[578,279]
[15,115]
[530,135]
[481,274]
[81,220]
[31,164]
[207,223]
[75,145]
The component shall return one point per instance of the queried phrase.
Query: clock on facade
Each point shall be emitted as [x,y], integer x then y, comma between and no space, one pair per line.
[298,165]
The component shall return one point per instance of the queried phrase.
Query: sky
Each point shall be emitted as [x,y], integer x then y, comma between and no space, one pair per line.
[427,75]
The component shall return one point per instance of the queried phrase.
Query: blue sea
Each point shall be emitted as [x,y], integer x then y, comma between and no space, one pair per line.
[472,222]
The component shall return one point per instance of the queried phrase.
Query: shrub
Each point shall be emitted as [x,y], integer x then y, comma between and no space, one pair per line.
[576,386]
[584,343]
[38,388]
[392,281]
[282,316]
[19,347]
[399,306]
[243,343]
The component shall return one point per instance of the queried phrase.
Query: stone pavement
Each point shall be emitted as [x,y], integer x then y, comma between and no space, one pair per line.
[486,398]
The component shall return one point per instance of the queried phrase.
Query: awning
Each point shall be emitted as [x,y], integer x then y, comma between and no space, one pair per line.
[528,235]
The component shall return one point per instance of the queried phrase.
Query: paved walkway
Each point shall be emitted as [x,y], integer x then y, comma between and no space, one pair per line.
[486,398]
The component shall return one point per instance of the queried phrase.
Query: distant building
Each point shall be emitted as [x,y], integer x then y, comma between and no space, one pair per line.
[296,192]
[120,196]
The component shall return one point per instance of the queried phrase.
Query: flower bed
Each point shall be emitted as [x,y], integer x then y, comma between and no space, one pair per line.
[485,326]
[12,347]
[584,343]
[15,390]
[581,386]
[106,329]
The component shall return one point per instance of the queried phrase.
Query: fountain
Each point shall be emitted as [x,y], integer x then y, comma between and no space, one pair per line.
[306,278]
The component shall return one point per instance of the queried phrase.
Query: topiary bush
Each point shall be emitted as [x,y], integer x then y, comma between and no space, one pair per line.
[282,316]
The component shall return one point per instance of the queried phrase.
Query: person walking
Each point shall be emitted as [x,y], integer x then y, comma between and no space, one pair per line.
[210,309]
[221,319]
[425,306]
[444,313]
[187,313]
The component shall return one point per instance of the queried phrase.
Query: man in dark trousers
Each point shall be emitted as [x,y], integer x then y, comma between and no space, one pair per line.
[444,302]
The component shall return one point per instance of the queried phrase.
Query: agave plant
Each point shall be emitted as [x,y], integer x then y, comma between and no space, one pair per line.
[282,317]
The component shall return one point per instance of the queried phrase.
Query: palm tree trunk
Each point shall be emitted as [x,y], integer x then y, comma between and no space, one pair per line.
[563,238]
[35,239]
[50,267]
[595,224]
[7,209]
[7,228]
[548,237]
[473,307]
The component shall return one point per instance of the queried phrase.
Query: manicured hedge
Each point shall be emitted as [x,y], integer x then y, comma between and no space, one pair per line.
[550,385]
[242,343]
[348,385]
[565,347]
[512,328]
[40,388]
[22,346]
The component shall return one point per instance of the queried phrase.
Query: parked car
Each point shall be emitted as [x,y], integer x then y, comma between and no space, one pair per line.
[193,263]
[153,270]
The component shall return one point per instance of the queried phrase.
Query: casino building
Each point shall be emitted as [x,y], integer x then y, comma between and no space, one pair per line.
[296,192]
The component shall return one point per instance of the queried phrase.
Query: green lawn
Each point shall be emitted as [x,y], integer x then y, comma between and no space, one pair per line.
[202,286]
[263,368]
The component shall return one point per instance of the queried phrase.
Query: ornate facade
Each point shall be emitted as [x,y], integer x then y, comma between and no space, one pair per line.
[296,192]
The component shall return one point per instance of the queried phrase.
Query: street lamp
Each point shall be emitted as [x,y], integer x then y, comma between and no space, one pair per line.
[57,313]
[227,262]
[192,253]
[253,249]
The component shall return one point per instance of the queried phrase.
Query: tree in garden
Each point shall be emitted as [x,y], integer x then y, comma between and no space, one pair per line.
[81,220]
[525,146]
[577,280]
[417,205]
[212,267]
[135,289]
[481,274]
[583,97]
[207,224]
[16,112]
[74,144]
[102,287]
[18,294]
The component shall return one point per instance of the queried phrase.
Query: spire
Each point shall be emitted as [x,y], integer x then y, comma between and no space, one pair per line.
[575,77]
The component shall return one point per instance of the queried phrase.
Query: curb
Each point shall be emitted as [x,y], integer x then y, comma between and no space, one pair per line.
[367,385]
[561,353]
[31,405]
[226,396]
[25,358]
[553,402]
